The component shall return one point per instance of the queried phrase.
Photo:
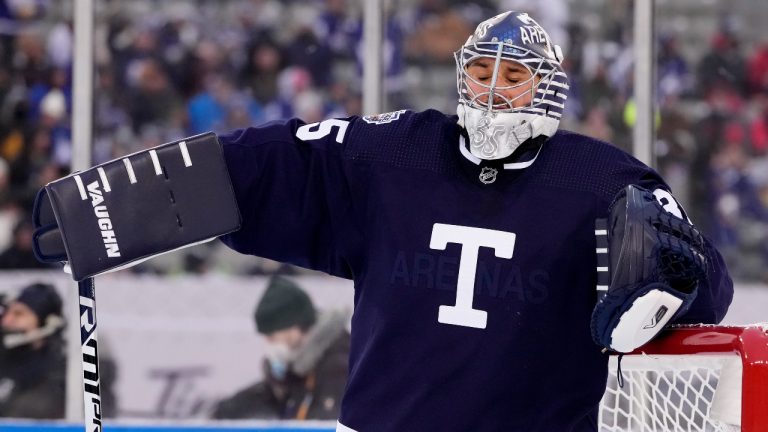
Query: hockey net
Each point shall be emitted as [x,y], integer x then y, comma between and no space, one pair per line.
[691,379]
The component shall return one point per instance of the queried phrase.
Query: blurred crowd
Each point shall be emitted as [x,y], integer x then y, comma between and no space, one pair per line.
[711,122]
[169,69]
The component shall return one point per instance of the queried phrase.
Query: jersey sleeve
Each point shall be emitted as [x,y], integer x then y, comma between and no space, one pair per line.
[293,190]
[714,294]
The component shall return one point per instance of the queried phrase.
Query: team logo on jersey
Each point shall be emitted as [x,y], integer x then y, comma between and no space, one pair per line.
[383,118]
[488,175]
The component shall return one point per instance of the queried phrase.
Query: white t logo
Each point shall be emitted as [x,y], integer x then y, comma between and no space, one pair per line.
[470,239]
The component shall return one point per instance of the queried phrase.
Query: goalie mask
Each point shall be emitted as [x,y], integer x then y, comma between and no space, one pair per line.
[511,85]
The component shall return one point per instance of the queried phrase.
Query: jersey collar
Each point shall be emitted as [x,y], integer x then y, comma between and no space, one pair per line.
[519,160]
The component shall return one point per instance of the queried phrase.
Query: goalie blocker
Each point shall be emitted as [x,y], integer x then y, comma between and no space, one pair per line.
[656,259]
[125,211]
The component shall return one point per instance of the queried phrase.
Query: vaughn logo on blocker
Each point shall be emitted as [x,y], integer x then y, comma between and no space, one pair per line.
[105,223]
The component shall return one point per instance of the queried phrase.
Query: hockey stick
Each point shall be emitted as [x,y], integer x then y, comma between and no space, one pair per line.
[89,348]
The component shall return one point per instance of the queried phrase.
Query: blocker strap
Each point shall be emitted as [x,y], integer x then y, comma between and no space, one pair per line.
[127,210]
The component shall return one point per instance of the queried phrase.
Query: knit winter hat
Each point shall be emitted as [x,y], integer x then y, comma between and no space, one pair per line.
[42,299]
[284,305]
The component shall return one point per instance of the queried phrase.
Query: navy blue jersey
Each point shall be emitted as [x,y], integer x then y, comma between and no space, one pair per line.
[474,283]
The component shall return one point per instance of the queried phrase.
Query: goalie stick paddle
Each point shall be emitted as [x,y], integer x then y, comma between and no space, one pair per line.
[89,348]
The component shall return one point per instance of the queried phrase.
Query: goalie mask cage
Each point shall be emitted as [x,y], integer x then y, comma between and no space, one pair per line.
[691,378]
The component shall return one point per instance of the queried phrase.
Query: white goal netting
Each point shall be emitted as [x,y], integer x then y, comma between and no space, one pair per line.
[661,393]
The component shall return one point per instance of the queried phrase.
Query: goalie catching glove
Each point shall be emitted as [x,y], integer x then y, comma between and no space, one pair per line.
[127,210]
[656,260]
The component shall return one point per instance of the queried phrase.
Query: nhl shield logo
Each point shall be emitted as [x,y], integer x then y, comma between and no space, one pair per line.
[488,175]
[383,118]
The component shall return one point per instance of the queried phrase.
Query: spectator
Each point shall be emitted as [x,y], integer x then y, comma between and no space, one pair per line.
[722,66]
[674,78]
[291,82]
[312,54]
[306,362]
[440,29]
[19,255]
[219,106]
[54,119]
[154,99]
[759,127]
[335,26]
[32,364]
[758,70]
[597,123]
[262,68]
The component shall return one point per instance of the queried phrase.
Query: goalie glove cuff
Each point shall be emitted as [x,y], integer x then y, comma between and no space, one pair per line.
[127,210]
[626,319]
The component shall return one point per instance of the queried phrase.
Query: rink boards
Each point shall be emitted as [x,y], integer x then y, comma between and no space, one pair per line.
[13,426]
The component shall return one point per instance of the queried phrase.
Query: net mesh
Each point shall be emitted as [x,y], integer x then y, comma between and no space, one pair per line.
[693,393]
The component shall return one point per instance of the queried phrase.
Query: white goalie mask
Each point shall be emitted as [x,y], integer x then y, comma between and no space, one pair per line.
[500,114]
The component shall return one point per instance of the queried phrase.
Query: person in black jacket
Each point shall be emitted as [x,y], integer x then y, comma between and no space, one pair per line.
[306,363]
[32,362]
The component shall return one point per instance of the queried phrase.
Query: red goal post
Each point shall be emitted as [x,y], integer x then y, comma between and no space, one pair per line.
[692,378]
